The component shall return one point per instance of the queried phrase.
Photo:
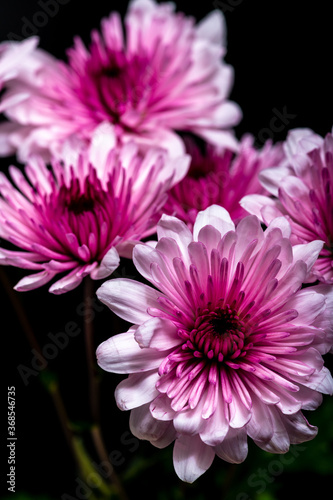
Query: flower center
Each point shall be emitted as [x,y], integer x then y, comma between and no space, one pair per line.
[116,87]
[217,334]
[80,205]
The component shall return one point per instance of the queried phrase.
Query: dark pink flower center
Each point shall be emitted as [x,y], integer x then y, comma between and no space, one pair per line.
[216,335]
[80,220]
[116,87]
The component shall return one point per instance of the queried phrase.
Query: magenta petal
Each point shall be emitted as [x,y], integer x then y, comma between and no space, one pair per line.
[191,458]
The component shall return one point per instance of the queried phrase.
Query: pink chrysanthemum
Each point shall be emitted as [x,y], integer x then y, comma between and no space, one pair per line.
[302,189]
[79,219]
[227,344]
[220,177]
[164,74]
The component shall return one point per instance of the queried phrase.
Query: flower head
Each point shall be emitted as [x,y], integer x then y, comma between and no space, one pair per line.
[302,189]
[79,217]
[164,74]
[220,177]
[226,345]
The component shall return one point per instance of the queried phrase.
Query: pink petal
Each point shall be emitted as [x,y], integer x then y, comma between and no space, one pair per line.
[34,281]
[308,252]
[161,408]
[191,458]
[168,436]
[299,428]
[216,427]
[122,354]
[254,203]
[128,299]
[233,448]
[260,426]
[189,421]
[215,216]
[171,227]
[309,304]
[271,178]
[144,426]
[136,390]
[157,333]
[109,263]
[66,284]
[213,28]
[102,141]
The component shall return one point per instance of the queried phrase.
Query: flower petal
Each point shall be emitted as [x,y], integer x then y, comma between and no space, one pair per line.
[157,333]
[34,281]
[137,389]
[191,458]
[128,299]
[122,354]
[233,448]
[144,426]
[109,263]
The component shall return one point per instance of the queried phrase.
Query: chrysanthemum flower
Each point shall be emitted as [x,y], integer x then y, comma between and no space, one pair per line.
[226,346]
[163,74]
[220,176]
[79,219]
[302,189]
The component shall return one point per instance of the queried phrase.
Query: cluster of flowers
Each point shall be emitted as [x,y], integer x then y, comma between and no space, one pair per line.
[133,137]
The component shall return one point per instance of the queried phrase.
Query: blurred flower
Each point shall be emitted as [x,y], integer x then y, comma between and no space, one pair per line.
[302,189]
[220,177]
[164,74]
[226,345]
[79,216]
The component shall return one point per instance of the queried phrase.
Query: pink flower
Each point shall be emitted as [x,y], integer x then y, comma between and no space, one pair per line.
[302,189]
[163,74]
[219,176]
[226,345]
[79,219]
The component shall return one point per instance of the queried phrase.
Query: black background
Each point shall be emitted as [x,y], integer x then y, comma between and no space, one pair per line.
[281,53]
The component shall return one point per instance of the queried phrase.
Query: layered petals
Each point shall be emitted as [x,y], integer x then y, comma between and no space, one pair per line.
[85,212]
[219,176]
[159,74]
[226,344]
[302,190]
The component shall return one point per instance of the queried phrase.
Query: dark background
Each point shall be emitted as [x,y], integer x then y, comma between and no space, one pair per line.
[281,53]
